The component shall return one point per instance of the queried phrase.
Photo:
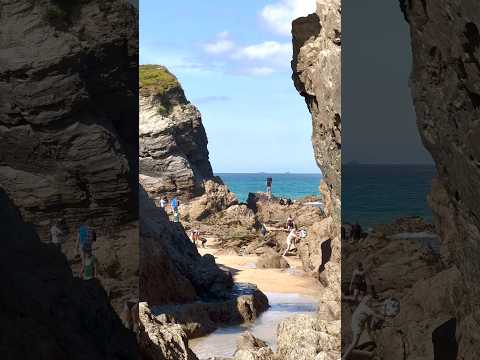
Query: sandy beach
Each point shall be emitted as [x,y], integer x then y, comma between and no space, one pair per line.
[292,280]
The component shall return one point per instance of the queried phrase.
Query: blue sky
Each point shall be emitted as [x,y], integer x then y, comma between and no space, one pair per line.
[233,61]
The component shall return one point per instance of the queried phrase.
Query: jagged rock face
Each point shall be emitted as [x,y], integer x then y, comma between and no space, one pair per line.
[161,341]
[173,142]
[316,69]
[67,146]
[316,75]
[445,87]
[171,269]
[48,314]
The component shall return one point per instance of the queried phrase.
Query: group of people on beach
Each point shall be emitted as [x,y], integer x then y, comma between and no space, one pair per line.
[174,205]
[86,236]
[352,231]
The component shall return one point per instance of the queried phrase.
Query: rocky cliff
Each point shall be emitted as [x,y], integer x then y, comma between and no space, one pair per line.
[67,144]
[445,41]
[46,312]
[316,75]
[173,142]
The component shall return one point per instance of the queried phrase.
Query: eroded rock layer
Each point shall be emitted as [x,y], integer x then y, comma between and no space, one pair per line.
[173,142]
[67,144]
[445,82]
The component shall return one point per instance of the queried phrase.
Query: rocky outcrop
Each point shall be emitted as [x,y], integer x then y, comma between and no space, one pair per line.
[316,69]
[171,269]
[445,78]
[47,313]
[243,305]
[67,145]
[161,341]
[173,143]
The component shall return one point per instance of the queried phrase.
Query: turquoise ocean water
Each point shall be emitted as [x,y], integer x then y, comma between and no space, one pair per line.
[293,186]
[380,194]
[371,194]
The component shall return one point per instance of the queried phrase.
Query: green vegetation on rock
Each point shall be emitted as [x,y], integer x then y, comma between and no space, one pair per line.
[156,79]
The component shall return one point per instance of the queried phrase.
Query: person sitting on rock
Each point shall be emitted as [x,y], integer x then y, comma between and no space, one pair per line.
[361,317]
[290,223]
[291,238]
[89,266]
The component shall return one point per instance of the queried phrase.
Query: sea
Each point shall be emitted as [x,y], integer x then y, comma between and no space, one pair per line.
[380,194]
[371,194]
[293,186]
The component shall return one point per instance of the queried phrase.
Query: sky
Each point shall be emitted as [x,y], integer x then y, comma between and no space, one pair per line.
[378,118]
[233,61]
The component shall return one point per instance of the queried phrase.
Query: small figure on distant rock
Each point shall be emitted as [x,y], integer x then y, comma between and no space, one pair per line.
[362,316]
[291,239]
[57,235]
[282,202]
[289,202]
[290,223]
[263,230]
[269,187]
[356,231]
[175,204]
[358,283]
[84,241]
[89,266]
[163,202]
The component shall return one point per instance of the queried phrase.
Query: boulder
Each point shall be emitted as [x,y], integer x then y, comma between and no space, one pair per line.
[161,341]
[251,348]
[270,259]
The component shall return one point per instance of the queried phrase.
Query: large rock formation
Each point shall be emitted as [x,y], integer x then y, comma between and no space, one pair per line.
[171,269]
[67,144]
[46,312]
[316,74]
[445,87]
[173,142]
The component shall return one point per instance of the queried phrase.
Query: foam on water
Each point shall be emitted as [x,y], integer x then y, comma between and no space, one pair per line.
[222,342]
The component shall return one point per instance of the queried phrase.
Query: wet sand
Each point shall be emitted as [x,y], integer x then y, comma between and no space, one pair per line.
[293,280]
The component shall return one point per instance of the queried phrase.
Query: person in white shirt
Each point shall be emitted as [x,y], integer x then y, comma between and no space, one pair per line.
[361,318]
[163,202]
[292,236]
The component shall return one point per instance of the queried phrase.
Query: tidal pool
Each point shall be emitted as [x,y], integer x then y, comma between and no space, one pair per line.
[222,342]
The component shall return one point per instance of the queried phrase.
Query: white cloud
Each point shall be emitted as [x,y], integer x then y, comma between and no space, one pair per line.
[261,71]
[279,16]
[221,45]
[268,50]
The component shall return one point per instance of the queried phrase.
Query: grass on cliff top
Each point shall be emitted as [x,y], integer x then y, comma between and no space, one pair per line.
[156,79]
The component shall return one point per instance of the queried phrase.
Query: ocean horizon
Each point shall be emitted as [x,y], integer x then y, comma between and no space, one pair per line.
[285,185]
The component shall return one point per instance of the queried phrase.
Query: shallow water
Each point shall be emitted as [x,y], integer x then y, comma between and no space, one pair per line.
[222,342]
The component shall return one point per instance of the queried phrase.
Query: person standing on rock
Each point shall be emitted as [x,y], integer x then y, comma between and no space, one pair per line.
[358,283]
[269,187]
[290,223]
[57,235]
[89,266]
[163,202]
[291,238]
[362,316]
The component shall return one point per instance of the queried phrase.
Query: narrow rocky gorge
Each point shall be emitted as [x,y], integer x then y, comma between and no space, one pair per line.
[209,206]
[68,151]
